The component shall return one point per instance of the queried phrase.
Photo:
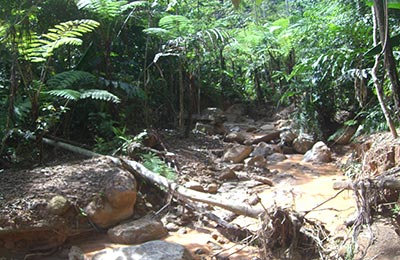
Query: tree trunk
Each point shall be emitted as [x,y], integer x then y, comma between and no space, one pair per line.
[381,17]
[377,83]
[181,97]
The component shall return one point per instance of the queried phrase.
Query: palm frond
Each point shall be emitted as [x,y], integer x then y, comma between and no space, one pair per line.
[100,94]
[68,79]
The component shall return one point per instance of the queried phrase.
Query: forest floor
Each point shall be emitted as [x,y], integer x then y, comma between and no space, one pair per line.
[302,187]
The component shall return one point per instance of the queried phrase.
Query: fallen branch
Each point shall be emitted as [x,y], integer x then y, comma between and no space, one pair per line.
[140,171]
[384,183]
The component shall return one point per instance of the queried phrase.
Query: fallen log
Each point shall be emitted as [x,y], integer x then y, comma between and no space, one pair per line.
[383,183]
[140,171]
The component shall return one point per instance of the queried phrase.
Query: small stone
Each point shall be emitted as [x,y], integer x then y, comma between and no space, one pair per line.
[212,188]
[235,137]
[172,227]
[303,143]
[137,231]
[199,251]
[76,253]
[277,157]
[182,231]
[152,250]
[194,185]
[256,161]
[227,174]
[58,205]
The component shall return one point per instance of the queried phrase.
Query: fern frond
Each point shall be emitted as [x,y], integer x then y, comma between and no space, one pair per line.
[68,94]
[68,79]
[133,5]
[175,23]
[158,32]
[66,33]
[105,9]
[100,95]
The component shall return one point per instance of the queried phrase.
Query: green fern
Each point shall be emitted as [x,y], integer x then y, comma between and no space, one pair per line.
[38,49]
[74,95]
[68,79]
[68,94]
[100,95]
[109,9]
[176,24]
[155,164]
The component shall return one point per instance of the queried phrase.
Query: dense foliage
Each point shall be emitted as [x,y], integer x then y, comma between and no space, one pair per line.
[84,70]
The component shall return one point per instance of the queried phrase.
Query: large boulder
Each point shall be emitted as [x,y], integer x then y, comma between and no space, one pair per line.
[137,231]
[237,153]
[153,250]
[42,207]
[117,203]
[320,153]
[303,143]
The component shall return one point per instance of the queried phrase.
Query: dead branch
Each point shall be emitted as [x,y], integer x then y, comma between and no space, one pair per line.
[391,183]
[140,171]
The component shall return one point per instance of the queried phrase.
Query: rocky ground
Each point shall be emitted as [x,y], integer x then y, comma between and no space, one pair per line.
[74,206]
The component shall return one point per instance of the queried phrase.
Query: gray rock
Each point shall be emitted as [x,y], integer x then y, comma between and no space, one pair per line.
[277,157]
[256,161]
[76,253]
[303,143]
[235,137]
[287,137]
[264,149]
[265,137]
[320,153]
[237,153]
[153,250]
[137,231]
[268,127]
[205,128]
[117,203]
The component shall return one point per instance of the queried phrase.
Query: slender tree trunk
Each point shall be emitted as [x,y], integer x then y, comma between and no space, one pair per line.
[145,75]
[377,83]
[259,94]
[181,97]
[380,8]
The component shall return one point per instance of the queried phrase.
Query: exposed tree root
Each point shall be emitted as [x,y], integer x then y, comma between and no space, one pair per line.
[286,234]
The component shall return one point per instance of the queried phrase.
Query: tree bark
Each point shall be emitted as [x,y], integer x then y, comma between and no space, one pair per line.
[377,83]
[389,61]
